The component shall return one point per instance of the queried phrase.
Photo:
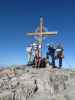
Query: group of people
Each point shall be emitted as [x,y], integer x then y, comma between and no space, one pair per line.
[56,53]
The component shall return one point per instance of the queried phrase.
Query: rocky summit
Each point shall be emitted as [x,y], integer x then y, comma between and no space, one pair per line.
[38,84]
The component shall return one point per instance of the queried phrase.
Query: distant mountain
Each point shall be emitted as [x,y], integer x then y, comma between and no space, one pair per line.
[3,66]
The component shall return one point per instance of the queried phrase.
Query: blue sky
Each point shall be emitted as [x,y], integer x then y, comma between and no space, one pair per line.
[21,16]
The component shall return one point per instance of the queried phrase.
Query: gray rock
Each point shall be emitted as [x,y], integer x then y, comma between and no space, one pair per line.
[39,84]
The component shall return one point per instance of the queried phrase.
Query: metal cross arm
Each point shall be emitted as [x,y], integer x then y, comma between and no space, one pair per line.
[42,33]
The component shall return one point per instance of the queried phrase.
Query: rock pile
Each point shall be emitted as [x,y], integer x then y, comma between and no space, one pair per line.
[38,84]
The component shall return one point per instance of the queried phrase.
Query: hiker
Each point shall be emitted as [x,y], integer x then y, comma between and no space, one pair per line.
[37,56]
[51,52]
[60,55]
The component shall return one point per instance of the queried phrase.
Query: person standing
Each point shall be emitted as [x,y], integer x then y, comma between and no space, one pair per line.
[51,52]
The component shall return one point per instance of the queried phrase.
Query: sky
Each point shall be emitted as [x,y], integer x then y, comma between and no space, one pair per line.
[18,17]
